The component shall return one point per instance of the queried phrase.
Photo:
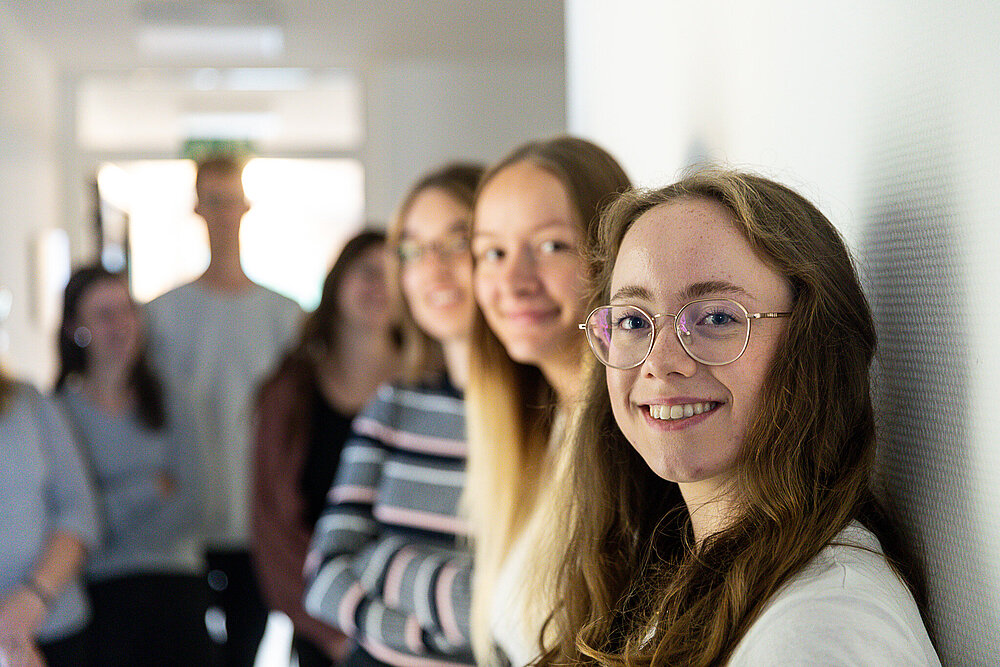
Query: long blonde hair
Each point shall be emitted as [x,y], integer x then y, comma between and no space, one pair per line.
[510,406]
[631,586]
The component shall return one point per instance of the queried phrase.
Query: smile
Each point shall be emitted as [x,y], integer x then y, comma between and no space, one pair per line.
[675,412]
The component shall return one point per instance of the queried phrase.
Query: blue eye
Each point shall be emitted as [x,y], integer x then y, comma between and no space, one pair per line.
[631,322]
[553,246]
[717,319]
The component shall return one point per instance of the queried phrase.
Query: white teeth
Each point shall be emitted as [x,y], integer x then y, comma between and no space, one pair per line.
[673,412]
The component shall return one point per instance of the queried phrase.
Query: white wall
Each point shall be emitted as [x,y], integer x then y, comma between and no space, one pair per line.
[885,114]
[28,191]
[421,114]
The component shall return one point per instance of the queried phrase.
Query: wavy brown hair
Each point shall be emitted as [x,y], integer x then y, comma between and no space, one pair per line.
[632,585]
[510,405]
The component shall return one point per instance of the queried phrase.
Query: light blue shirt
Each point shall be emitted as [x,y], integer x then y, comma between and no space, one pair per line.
[146,531]
[44,487]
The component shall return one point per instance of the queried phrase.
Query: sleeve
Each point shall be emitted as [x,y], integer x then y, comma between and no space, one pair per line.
[356,574]
[279,534]
[70,497]
[831,629]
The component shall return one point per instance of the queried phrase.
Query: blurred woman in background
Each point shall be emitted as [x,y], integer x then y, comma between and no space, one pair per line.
[50,522]
[348,346]
[384,562]
[536,212]
[145,579]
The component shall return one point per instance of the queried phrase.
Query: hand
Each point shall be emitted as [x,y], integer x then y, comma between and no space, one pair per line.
[337,649]
[166,484]
[21,614]
[15,652]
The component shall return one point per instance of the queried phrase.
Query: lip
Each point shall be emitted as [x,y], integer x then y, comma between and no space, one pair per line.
[678,424]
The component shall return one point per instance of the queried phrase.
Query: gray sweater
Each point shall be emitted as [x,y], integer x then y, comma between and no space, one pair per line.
[44,487]
[146,530]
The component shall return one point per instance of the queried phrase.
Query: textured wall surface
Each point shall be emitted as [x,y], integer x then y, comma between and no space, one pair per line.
[885,114]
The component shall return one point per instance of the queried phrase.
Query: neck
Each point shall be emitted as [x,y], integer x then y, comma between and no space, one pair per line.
[108,386]
[225,272]
[349,377]
[564,376]
[456,361]
[711,509]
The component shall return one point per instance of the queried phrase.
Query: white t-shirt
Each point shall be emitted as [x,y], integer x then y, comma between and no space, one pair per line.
[846,607]
[213,349]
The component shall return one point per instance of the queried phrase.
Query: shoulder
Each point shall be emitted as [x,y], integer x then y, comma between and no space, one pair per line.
[846,607]
[275,302]
[424,398]
[419,419]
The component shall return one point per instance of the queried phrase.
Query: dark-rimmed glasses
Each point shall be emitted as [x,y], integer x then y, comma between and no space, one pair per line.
[714,332]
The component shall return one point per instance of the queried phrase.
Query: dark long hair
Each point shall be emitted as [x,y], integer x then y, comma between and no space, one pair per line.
[633,589]
[73,358]
[320,327]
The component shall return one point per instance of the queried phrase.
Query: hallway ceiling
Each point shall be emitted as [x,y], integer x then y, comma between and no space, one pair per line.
[88,35]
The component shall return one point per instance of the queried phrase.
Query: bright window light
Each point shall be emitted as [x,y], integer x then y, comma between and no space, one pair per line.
[303,211]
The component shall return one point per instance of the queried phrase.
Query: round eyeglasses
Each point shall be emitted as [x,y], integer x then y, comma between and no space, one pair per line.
[411,251]
[714,332]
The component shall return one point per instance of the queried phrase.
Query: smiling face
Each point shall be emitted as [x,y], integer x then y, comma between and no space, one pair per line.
[363,298]
[688,420]
[530,279]
[106,309]
[437,284]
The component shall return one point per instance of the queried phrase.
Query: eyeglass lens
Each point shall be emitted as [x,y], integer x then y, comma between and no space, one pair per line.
[712,332]
[411,250]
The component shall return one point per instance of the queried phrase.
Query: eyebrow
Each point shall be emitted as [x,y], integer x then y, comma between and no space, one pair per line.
[689,293]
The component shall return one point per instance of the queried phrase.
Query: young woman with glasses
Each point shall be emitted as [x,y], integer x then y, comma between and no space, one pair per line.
[347,347]
[384,565]
[536,211]
[719,506]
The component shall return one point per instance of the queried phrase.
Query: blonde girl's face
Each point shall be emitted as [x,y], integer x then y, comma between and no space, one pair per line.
[435,265]
[530,279]
[688,420]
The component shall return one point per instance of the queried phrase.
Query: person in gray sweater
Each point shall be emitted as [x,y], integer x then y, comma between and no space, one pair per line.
[50,521]
[145,580]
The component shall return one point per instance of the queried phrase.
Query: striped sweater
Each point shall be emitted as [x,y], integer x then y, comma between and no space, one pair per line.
[384,565]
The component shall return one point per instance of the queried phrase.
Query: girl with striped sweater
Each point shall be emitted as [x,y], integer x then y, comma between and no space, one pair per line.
[385,566]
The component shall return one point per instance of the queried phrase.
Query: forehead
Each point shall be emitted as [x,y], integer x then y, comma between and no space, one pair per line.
[520,198]
[434,212]
[689,241]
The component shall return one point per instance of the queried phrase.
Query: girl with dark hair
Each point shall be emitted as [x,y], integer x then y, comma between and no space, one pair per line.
[720,505]
[145,581]
[348,346]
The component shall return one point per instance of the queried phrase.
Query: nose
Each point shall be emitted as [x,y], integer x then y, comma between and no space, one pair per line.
[668,355]
[520,275]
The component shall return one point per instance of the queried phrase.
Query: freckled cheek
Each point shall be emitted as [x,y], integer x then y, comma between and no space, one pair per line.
[619,383]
